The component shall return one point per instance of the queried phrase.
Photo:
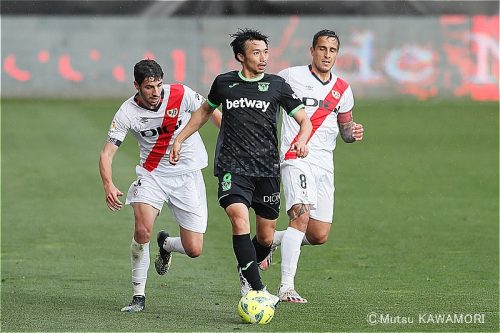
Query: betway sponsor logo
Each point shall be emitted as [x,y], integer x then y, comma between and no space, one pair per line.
[247,103]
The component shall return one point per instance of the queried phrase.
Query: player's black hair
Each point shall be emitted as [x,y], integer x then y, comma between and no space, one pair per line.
[325,33]
[238,43]
[147,68]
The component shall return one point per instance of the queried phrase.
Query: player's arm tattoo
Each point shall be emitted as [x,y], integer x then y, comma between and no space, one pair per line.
[298,210]
[346,132]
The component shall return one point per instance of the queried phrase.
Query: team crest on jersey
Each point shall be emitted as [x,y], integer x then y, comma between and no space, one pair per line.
[263,86]
[172,113]
[112,128]
[335,94]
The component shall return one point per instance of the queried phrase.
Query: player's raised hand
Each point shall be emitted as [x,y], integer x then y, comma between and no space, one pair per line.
[175,153]
[112,194]
[357,131]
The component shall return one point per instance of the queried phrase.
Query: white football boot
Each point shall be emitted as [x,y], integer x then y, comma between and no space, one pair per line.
[290,295]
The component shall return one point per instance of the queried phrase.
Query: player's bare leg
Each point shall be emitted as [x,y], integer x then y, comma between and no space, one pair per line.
[192,242]
[264,230]
[317,232]
[145,216]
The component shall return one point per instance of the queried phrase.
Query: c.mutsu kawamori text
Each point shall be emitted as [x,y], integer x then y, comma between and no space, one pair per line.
[256,307]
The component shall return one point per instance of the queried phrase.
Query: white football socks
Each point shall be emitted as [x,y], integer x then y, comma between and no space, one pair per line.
[174,244]
[278,237]
[290,253]
[139,258]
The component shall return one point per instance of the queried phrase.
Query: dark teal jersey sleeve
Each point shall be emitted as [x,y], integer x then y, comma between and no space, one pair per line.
[214,98]
[288,100]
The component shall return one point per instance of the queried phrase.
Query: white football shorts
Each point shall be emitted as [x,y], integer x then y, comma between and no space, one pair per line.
[309,184]
[184,194]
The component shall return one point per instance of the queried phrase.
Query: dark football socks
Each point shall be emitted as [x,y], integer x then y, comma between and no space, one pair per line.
[260,250]
[245,255]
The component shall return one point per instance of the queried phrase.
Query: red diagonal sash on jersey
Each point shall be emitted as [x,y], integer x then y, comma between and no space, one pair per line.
[317,118]
[169,121]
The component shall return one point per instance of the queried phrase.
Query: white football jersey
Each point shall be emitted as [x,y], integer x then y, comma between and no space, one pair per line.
[323,101]
[155,131]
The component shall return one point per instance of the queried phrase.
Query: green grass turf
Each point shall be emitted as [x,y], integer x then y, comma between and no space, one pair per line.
[415,231]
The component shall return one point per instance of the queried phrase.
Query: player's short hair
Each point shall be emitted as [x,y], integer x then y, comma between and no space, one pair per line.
[325,33]
[238,43]
[147,68]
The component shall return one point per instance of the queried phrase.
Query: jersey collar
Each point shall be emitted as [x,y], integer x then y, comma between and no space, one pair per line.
[257,78]
[317,78]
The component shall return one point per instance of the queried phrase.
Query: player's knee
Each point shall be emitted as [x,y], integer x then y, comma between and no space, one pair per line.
[194,251]
[142,235]
[265,239]
[317,239]
[240,225]
[239,221]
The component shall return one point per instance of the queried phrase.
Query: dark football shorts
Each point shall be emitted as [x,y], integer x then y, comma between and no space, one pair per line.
[260,193]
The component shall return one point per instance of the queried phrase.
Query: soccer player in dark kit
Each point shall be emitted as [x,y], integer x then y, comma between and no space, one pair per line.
[247,158]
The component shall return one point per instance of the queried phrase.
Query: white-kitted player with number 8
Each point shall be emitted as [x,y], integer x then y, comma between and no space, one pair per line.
[308,183]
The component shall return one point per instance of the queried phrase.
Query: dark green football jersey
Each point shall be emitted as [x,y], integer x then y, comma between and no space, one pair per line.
[248,138]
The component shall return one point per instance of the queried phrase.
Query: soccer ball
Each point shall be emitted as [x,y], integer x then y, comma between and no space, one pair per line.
[256,307]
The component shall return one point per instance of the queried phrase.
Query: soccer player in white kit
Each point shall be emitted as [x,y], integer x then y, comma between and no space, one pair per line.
[308,183]
[155,115]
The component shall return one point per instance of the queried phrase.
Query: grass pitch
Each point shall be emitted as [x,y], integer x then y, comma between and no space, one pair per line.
[415,231]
